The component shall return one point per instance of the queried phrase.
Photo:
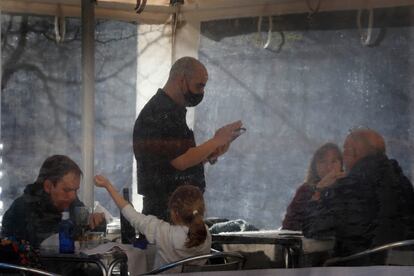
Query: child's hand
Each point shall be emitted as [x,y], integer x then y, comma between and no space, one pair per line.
[101,181]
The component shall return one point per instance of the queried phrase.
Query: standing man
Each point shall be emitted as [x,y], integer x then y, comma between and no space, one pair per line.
[164,146]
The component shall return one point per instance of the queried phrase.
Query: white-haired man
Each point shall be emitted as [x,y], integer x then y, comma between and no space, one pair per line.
[371,206]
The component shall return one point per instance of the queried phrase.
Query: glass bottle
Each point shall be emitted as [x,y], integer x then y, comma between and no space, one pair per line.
[66,242]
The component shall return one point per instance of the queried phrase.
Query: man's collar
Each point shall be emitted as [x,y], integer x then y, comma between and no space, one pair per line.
[168,102]
[367,162]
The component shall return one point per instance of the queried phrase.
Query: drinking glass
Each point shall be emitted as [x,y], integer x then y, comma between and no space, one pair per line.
[82,221]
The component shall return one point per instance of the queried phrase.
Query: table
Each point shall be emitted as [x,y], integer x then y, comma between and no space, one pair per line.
[139,260]
[63,263]
[105,256]
[295,247]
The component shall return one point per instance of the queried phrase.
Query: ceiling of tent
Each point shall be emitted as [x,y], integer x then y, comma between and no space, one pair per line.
[159,11]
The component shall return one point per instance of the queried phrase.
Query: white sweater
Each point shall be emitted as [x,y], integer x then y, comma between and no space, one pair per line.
[169,239]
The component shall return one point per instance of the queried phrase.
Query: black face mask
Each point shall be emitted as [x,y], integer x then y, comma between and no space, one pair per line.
[192,99]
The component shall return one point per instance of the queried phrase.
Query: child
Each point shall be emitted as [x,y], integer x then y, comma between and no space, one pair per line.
[186,236]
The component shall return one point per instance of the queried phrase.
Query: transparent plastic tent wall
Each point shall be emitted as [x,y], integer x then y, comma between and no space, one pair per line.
[313,83]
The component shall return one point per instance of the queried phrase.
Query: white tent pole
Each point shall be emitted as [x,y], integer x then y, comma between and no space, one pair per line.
[88,100]
[1,73]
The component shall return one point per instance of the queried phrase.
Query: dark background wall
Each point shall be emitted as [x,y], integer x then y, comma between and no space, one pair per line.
[314,83]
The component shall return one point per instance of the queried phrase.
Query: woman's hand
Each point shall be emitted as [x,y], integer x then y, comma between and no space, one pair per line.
[330,178]
[102,181]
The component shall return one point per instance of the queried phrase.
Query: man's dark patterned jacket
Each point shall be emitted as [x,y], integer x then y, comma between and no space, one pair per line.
[33,217]
[372,206]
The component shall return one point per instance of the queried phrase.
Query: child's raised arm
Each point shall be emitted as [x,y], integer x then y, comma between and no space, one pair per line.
[103,182]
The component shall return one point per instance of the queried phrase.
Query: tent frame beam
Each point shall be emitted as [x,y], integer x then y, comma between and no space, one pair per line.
[159,11]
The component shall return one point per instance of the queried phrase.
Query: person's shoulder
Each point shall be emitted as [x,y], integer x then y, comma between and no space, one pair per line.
[304,192]
[17,204]
[305,187]
[397,169]
[150,109]
[19,208]
[159,102]
[156,112]
[20,200]
[26,199]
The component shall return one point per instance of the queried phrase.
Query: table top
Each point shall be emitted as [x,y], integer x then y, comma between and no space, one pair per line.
[281,237]
[76,256]
[264,233]
[259,237]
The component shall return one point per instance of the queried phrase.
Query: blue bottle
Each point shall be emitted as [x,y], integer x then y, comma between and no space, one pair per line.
[66,242]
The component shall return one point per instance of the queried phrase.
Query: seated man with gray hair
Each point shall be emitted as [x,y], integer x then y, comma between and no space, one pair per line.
[371,206]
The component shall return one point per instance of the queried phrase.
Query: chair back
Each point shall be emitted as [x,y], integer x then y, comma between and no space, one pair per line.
[215,261]
[220,262]
[395,253]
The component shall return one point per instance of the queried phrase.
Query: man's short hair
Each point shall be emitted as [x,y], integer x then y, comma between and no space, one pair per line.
[184,66]
[56,167]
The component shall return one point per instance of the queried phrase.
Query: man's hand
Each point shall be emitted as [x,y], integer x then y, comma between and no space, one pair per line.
[218,152]
[226,134]
[96,219]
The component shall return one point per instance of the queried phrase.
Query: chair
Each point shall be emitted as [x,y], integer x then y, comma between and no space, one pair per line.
[120,262]
[227,261]
[394,254]
[70,263]
[4,267]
